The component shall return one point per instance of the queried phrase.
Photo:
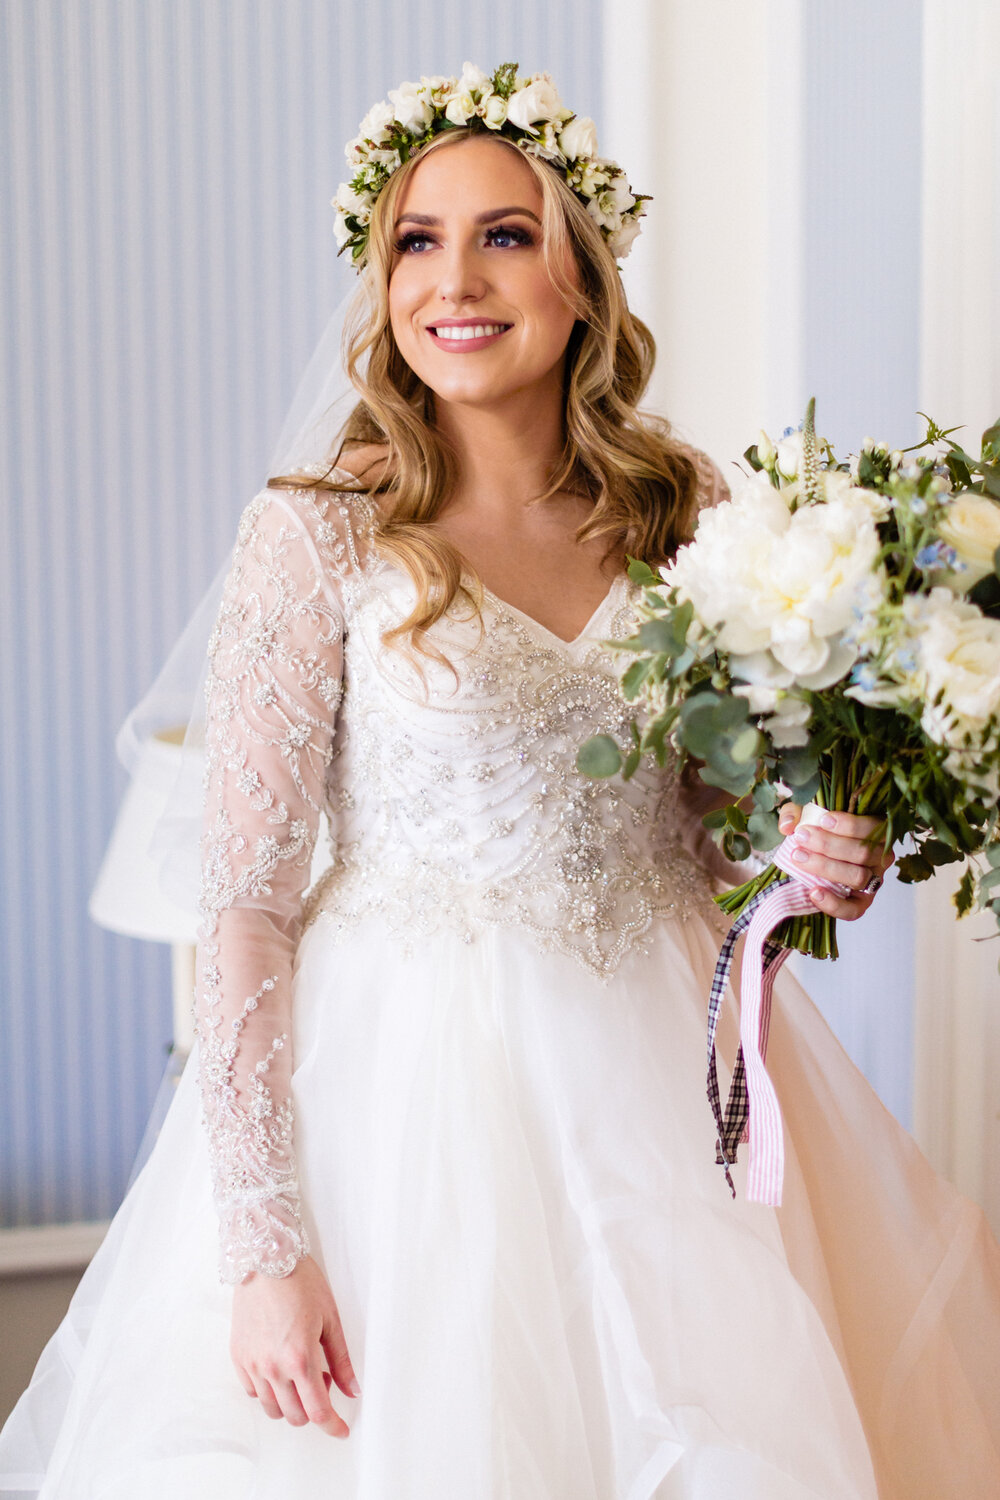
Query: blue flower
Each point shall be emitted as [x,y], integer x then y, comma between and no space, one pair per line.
[936,555]
[865,676]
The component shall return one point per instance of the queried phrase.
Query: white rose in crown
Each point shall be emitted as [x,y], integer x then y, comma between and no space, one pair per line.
[620,240]
[377,123]
[971,525]
[351,202]
[411,107]
[578,138]
[460,108]
[537,101]
[494,111]
[474,80]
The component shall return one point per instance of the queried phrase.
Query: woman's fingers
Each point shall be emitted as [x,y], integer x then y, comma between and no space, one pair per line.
[335,1348]
[314,1393]
[268,1400]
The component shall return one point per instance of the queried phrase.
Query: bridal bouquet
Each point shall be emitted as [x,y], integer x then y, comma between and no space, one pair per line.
[831,634]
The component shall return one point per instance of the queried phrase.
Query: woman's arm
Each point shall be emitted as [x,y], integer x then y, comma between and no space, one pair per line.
[273,690]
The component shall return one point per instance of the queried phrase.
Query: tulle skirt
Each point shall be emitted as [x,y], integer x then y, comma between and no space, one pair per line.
[546,1289]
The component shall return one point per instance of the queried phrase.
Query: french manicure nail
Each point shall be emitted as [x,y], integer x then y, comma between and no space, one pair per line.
[816,895]
[828,821]
[353,1387]
[800,855]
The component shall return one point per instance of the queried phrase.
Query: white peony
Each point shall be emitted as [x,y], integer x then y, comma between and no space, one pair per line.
[971,524]
[411,107]
[578,138]
[780,586]
[537,101]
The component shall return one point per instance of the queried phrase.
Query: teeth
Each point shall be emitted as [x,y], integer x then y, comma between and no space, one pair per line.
[471,331]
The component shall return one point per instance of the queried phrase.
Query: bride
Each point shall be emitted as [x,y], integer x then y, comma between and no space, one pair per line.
[440,1172]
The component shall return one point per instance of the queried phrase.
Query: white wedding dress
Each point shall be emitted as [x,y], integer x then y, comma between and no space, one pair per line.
[469,1076]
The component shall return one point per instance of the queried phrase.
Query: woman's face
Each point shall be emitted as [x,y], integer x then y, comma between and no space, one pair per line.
[472,308]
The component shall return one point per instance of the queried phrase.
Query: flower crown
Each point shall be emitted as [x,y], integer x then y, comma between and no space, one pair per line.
[525,110]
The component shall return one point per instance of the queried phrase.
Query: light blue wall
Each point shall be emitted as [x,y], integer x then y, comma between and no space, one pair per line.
[167,260]
[862,226]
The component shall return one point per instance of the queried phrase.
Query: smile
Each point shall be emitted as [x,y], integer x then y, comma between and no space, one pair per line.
[466,337]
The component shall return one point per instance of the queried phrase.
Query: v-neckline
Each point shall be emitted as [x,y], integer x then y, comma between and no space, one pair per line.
[533,624]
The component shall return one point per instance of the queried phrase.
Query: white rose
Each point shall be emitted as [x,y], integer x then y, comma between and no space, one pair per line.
[350,202]
[341,232]
[789,454]
[494,111]
[473,79]
[411,108]
[766,450]
[377,123]
[593,180]
[958,656]
[971,524]
[537,101]
[578,138]
[460,108]
[620,240]
[617,197]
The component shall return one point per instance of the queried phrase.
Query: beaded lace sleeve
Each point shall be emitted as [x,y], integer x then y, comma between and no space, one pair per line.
[273,688]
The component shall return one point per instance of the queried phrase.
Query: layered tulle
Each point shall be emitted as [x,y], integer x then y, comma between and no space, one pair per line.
[508,1168]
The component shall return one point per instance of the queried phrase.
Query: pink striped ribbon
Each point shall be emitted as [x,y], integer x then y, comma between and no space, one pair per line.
[764,1134]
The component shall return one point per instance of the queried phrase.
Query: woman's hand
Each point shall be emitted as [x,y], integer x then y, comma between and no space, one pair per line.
[844,847]
[287,1345]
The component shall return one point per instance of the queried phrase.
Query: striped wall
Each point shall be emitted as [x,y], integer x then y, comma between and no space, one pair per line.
[166,260]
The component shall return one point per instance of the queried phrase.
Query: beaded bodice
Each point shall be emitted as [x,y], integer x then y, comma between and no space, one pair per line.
[452,798]
[455,801]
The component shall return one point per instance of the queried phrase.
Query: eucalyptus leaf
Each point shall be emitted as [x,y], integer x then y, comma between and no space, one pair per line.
[746,745]
[633,679]
[659,635]
[738,784]
[641,573]
[912,868]
[736,847]
[631,763]
[765,796]
[763,830]
[798,766]
[599,756]
[965,894]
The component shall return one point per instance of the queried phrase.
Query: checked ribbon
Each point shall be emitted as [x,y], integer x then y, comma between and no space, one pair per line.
[752,1113]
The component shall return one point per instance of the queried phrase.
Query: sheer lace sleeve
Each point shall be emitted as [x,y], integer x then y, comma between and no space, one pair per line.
[273,689]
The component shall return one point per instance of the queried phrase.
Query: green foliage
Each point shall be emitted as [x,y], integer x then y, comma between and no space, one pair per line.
[599,756]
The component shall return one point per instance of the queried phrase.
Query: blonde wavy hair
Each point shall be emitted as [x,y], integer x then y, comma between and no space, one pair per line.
[640,480]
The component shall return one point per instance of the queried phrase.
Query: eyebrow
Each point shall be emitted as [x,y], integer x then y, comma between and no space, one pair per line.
[486,218]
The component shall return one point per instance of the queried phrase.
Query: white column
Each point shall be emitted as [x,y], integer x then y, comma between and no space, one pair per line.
[957,1064]
[703,106]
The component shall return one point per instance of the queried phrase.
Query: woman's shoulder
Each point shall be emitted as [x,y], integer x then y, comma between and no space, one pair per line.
[711,487]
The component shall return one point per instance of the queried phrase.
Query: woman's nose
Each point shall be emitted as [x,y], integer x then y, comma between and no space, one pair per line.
[460,274]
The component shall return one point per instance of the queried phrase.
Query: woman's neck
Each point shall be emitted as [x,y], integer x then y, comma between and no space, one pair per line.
[506,453]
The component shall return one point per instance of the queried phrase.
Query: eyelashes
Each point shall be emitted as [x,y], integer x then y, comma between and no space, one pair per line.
[498,231]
